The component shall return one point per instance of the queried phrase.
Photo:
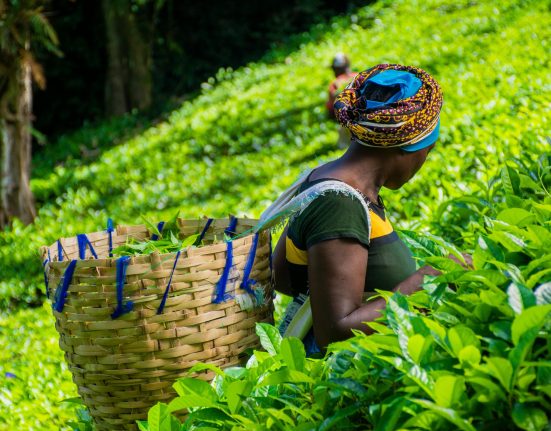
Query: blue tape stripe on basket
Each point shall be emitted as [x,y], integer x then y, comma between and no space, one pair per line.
[230,230]
[204,231]
[59,251]
[61,290]
[160,227]
[84,242]
[110,230]
[122,308]
[46,283]
[246,283]
[165,295]
[220,291]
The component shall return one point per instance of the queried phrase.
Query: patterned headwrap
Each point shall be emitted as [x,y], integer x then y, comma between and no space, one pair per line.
[409,118]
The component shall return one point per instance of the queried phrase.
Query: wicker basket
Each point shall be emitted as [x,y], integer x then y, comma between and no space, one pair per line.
[125,344]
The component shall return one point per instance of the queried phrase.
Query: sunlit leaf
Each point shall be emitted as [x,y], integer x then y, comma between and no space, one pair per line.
[269,337]
[520,297]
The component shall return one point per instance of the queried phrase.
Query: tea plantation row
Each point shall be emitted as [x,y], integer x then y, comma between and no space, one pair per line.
[247,136]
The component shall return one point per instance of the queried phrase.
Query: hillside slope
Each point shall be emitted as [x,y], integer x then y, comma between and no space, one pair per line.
[251,131]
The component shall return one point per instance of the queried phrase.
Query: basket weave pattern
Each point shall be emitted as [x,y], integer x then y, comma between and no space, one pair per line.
[125,365]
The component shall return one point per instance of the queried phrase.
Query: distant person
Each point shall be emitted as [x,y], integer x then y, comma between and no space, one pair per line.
[343,76]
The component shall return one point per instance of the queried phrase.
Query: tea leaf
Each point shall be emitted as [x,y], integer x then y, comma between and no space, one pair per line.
[469,356]
[285,376]
[529,418]
[160,419]
[236,392]
[173,239]
[516,216]
[419,347]
[491,247]
[511,181]
[293,354]
[269,338]
[460,337]
[501,329]
[210,367]
[520,297]
[190,240]
[543,294]
[533,317]
[212,415]
[391,415]
[508,240]
[501,369]
[448,390]
[192,393]
[448,414]
[487,390]
[151,227]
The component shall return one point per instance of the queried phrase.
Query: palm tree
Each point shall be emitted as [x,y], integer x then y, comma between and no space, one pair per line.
[23,28]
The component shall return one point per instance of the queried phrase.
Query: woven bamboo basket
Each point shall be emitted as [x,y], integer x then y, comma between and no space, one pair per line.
[130,327]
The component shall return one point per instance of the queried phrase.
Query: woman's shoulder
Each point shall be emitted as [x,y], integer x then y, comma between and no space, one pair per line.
[331,214]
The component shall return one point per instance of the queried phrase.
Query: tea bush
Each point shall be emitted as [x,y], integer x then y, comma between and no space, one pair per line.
[34,377]
[247,136]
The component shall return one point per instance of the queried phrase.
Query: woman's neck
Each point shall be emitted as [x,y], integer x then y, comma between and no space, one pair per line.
[366,174]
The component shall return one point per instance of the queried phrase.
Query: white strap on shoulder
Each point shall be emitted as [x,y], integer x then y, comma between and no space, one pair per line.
[290,204]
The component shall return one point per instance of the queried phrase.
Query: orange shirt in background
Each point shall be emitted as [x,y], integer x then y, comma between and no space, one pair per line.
[336,86]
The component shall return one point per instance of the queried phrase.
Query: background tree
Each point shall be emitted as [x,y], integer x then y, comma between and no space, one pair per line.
[23,25]
[129,27]
[181,43]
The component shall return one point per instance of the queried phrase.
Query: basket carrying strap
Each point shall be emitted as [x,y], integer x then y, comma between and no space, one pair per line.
[246,283]
[165,295]
[160,227]
[122,264]
[84,242]
[110,230]
[61,290]
[220,292]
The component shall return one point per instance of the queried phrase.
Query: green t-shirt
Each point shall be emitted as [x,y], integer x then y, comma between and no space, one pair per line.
[335,215]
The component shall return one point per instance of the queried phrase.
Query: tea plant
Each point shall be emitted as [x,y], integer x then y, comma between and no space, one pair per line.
[247,136]
[34,377]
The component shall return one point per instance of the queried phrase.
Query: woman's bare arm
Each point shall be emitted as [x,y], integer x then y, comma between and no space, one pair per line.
[336,272]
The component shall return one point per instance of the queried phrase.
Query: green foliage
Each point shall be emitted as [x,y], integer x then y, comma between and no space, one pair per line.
[247,136]
[252,130]
[34,379]
[471,358]
[167,242]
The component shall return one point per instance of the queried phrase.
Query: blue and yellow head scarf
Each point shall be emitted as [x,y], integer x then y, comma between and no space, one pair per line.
[390,106]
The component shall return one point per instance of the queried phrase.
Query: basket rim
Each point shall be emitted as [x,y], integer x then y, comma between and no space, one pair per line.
[119,229]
